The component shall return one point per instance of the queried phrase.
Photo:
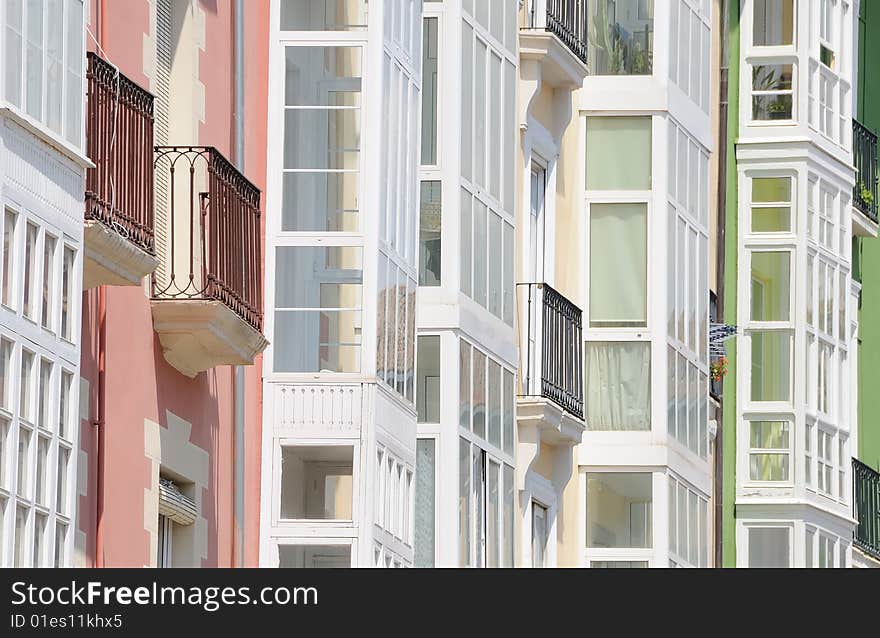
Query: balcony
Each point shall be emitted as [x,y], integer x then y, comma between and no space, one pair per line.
[207,294]
[866,503]
[865,222]
[554,33]
[118,224]
[552,385]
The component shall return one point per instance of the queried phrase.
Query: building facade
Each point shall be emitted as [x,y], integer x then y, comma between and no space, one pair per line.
[339,415]
[43,159]
[791,405]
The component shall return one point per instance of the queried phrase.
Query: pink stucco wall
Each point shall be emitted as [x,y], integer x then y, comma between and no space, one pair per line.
[140,384]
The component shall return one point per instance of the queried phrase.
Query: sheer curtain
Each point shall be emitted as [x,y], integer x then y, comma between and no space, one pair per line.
[618,378]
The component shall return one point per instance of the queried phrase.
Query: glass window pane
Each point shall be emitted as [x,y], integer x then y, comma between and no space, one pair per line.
[466,243]
[464,503]
[773,219]
[322,202]
[34,68]
[509,407]
[317,341]
[769,547]
[316,482]
[318,277]
[322,76]
[618,264]
[429,90]
[494,408]
[322,139]
[322,15]
[428,390]
[618,384]
[10,219]
[13,37]
[75,59]
[773,22]
[6,375]
[771,286]
[772,92]
[621,38]
[771,189]
[423,543]
[479,393]
[618,153]
[430,217]
[464,387]
[771,366]
[619,509]
[768,467]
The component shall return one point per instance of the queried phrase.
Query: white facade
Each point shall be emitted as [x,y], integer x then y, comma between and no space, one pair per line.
[797,304]
[42,181]
[339,436]
[645,477]
[465,508]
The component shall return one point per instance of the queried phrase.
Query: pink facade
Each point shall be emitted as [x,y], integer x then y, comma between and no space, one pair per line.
[142,389]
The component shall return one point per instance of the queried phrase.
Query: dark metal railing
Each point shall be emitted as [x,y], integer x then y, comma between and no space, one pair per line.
[566,19]
[119,132]
[211,237]
[553,366]
[866,506]
[865,160]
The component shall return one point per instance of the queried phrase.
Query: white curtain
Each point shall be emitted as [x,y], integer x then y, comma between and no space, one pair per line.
[618,379]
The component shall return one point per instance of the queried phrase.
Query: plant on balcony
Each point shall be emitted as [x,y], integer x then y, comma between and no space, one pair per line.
[602,39]
[866,194]
[718,368]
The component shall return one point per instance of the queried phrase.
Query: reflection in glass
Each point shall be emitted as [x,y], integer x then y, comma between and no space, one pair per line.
[621,37]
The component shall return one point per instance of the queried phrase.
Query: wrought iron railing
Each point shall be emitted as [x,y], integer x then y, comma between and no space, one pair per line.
[119,131]
[865,160]
[566,19]
[552,347]
[211,236]
[866,503]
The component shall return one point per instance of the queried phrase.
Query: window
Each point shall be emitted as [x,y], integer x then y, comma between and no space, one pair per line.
[44,404]
[7,297]
[539,534]
[29,288]
[48,310]
[428,379]
[769,450]
[430,43]
[68,294]
[318,308]
[24,461]
[425,507]
[771,205]
[688,525]
[60,544]
[773,22]
[41,483]
[5,438]
[65,410]
[321,139]
[314,556]
[61,480]
[619,564]
[618,265]
[25,406]
[323,15]
[316,482]
[772,92]
[771,286]
[771,365]
[619,510]
[621,40]
[827,13]
[166,535]
[618,153]
[618,384]
[37,81]
[6,373]
[430,218]
[825,461]
[485,508]
[769,547]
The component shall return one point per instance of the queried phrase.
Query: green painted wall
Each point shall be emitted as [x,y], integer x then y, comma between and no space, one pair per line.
[867,262]
[728,430]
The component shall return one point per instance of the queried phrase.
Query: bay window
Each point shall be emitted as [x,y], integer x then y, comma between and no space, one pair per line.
[769,451]
[618,153]
[772,92]
[44,63]
[618,264]
[773,22]
[618,385]
[323,15]
[769,546]
[619,510]
[771,210]
[621,41]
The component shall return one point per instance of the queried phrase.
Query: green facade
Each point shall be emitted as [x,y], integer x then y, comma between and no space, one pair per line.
[728,430]
[866,253]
